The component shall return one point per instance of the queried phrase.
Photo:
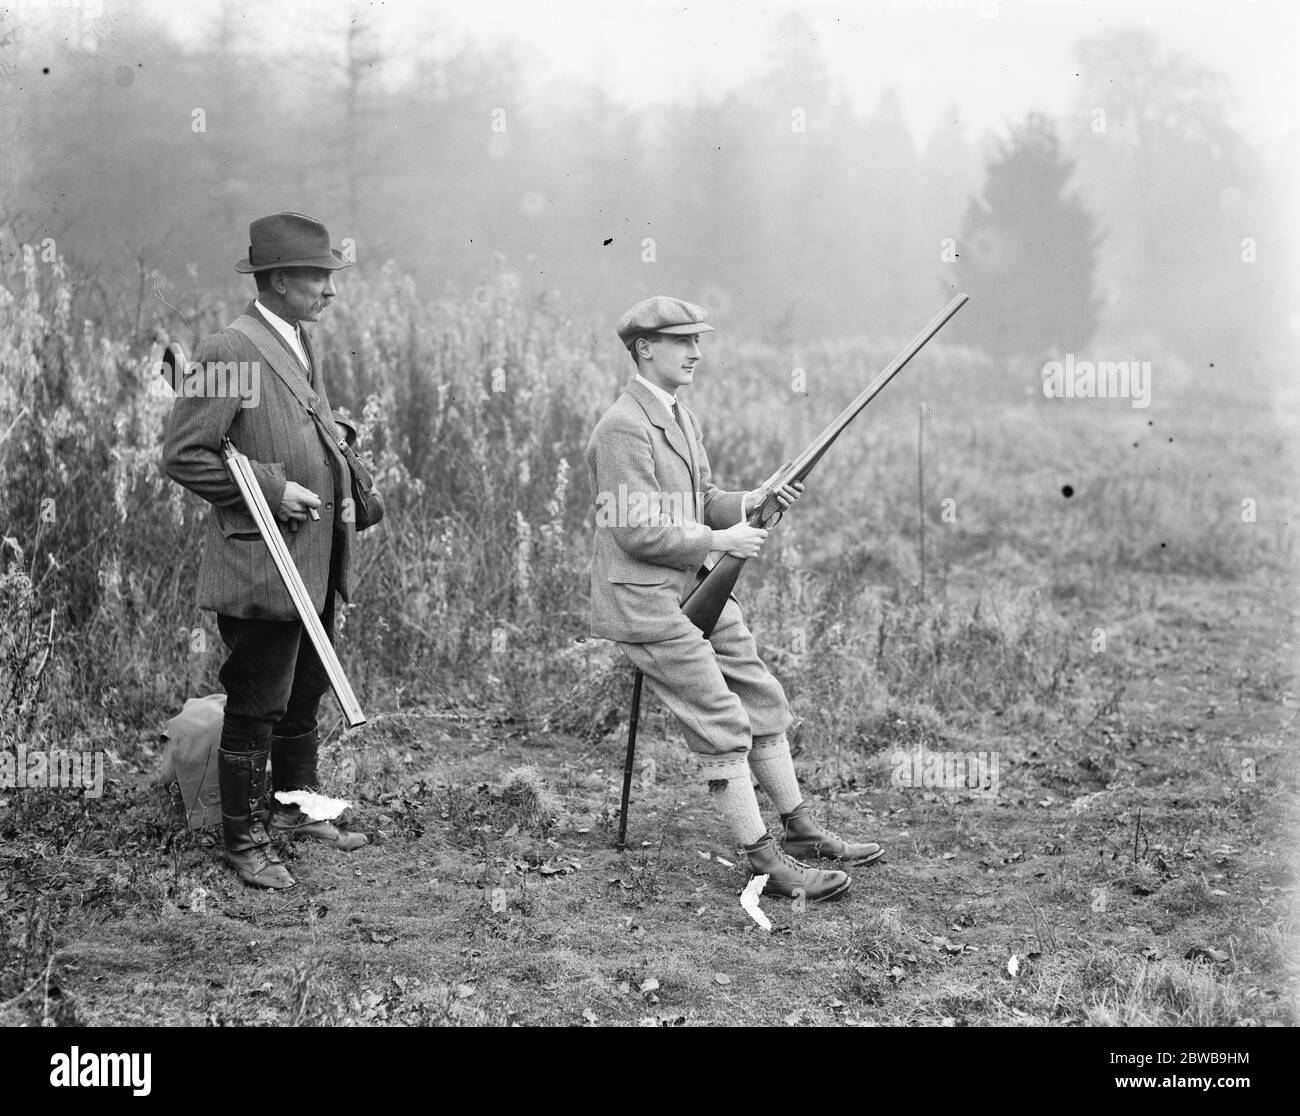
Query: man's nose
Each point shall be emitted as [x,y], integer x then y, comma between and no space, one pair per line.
[328,290]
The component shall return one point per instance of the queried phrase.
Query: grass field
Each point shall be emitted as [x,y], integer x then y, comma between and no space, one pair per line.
[1126,652]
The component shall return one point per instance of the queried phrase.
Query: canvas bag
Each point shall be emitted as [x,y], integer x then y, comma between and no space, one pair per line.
[189,763]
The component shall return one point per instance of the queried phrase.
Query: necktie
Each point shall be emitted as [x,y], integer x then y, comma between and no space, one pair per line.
[677,414]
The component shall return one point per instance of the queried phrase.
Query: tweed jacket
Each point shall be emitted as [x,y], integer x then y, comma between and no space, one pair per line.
[236,574]
[656,508]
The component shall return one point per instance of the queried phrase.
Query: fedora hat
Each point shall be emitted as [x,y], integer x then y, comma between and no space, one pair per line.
[289,240]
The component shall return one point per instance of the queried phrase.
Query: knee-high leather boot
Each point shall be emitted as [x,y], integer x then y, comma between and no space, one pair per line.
[242,778]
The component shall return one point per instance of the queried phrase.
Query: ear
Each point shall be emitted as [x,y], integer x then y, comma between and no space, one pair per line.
[647,353]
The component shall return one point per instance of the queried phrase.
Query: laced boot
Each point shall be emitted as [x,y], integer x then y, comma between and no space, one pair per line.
[787,876]
[242,777]
[806,837]
[293,767]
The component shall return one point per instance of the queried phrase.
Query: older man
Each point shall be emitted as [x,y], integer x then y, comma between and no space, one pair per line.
[658,516]
[272,675]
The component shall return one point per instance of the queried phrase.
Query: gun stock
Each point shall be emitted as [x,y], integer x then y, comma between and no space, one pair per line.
[704,604]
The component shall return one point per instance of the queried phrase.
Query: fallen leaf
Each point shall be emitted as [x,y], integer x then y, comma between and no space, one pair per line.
[722,978]
[1013,965]
[794,1018]
[589,1015]
[649,985]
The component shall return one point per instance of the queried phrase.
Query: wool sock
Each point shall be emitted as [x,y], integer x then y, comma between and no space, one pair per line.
[774,769]
[733,796]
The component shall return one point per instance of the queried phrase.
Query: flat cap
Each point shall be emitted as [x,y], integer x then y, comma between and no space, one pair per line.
[661,314]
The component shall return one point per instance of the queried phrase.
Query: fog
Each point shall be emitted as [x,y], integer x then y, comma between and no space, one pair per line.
[814,170]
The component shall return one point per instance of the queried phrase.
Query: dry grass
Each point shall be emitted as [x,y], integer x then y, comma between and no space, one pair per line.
[489,774]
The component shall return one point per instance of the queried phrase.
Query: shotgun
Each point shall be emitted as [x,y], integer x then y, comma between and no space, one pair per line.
[705,602]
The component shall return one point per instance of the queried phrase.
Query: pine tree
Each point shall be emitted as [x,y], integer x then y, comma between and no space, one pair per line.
[1027,254]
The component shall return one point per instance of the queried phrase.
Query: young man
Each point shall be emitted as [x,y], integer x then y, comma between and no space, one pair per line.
[272,676]
[658,515]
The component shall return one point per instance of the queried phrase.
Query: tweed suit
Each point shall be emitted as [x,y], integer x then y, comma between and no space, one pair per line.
[236,574]
[272,674]
[656,510]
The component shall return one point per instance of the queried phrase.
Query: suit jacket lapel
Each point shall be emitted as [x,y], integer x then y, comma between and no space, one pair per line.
[290,372]
[255,313]
[658,414]
[689,419]
[282,361]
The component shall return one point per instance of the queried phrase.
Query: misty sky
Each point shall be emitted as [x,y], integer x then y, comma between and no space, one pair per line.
[997,59]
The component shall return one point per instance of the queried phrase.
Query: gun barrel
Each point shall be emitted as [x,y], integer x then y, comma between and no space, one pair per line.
[704,603]
[803,464]
[251,491]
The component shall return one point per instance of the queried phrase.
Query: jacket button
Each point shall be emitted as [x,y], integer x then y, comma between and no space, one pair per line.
[328,506]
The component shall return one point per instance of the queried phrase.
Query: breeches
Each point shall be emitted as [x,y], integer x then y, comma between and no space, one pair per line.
[718,688]
[272,674]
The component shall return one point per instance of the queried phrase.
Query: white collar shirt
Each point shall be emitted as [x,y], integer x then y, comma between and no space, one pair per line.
[669,401]
[288,332]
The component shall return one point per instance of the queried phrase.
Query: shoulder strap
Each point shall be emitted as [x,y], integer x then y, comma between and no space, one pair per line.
[277,358]
[291,374]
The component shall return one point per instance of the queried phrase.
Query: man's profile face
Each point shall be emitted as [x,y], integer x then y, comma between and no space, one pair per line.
[307,292]
[673,358]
